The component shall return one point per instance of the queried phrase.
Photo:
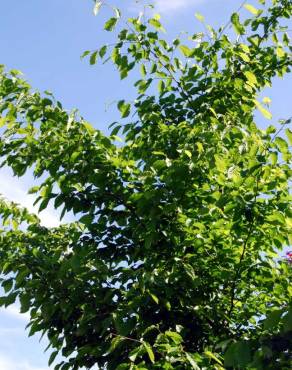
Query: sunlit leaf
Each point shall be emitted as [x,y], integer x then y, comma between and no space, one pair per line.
[200,17]
[97,7]
[251,9]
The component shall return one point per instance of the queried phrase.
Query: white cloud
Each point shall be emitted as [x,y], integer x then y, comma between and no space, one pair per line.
[168,6]
[13,311]
[7,363]
[10,332]
[12,188]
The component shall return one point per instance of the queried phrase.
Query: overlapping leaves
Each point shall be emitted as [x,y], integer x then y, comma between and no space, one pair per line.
[172,262]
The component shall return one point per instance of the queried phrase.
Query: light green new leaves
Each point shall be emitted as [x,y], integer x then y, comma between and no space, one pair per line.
[191,361]
[251,78]
[154,22]
[213,357]
[200,17]
[149,351]
[238,27]
[2,121]
[111,24]
[252,9]
[97,7]
[282,145]
[267,100]
[289,135]
[185,50]
[264,111]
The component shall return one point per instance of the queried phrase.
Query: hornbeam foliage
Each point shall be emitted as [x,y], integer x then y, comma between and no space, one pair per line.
[172,261]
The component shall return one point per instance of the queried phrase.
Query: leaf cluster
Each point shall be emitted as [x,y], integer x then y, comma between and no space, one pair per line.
[172,262]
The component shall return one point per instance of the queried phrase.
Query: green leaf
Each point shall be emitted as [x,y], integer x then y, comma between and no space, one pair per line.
[116,130]
[74,156]
[213,357]
[75,263]
[34,190]
[2,121]
[89,127]
[7,285]
[156,24]
[251,78]
[191,361]
[244,57]
[287,321]
[185,50]
[10,299]
[149,351]
[86,220]
[93,57]
[136,352]
[87,52]
[272,319]
[281,144]
[115,343]
[102,51]
[221,163]
[289,135]
[97,7]
[52,357]
[286,39]
[267,100]
[143,70]
[153,296]
[177,338]
[161,219]
[238,354]
[238,27]
[200,17]
[280,52]
[251,9]
[273,158]
[24,303]
[111,24]
[264,112]
[117,12]
[276,218]
[161,86]
[44,204]
[124,108]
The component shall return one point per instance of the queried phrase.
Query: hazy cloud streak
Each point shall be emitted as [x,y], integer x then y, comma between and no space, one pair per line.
[7,363]
[13,311]
[168,6]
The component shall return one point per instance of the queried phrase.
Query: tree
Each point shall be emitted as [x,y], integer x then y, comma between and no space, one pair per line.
[172,260]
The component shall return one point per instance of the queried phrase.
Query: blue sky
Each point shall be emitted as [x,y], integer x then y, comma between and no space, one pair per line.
[44,39]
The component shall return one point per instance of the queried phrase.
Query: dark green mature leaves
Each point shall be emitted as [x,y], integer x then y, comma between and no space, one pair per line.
[124,108]
[238,355]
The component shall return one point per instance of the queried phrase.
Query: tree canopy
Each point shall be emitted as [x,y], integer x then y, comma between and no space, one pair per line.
[172,261]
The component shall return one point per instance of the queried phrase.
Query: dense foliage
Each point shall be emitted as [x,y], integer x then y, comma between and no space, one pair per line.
[173,262]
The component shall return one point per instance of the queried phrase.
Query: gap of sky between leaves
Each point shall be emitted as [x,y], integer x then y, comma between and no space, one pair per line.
[171,6]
